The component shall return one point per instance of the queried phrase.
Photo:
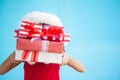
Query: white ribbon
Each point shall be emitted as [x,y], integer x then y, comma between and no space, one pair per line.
[44,46]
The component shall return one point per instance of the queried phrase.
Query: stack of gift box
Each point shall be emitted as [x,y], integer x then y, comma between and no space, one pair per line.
[40,42]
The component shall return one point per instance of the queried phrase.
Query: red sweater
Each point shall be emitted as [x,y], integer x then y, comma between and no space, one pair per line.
[41,71]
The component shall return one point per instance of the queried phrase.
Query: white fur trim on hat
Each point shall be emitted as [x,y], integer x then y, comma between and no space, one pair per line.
[42,17]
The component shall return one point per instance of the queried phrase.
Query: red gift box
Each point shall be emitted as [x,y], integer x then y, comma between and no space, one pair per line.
[46,32]
[39,45]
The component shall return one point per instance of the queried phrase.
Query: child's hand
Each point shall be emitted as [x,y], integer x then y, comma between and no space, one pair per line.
[12,58]
[65,59]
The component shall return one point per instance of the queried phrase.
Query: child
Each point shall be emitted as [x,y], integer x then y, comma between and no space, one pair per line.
[40,70]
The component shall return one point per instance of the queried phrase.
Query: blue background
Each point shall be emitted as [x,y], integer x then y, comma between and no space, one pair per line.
[94,26]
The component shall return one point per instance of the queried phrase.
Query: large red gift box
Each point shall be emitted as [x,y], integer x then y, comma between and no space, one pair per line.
[39,45]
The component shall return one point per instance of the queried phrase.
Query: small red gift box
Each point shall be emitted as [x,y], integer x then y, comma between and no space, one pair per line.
[46,32]
[39,45]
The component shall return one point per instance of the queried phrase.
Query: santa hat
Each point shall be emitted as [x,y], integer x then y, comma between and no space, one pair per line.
[42,17]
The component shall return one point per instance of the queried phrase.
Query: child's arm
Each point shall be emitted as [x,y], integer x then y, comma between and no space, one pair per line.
[76,65]
[72,63]
[8,64]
